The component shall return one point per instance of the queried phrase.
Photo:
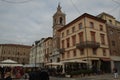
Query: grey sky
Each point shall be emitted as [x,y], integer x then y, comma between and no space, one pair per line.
[31,20]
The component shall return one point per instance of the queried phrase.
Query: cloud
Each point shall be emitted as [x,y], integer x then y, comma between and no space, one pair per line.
[30,21]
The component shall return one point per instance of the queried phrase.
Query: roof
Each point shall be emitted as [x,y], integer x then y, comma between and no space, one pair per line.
[103,13]
[47,38]
[17,45]
[80,17]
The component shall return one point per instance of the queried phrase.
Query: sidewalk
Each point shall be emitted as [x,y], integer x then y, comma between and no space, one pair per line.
[94,77]
[104,77]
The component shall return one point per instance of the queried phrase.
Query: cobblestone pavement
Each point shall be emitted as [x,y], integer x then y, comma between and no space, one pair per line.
[95,77]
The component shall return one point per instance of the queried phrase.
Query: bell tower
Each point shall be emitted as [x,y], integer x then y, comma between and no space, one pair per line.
[59,18]
[59,21]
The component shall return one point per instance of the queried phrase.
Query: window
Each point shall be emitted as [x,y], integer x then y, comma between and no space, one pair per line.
[68,54]
[62,43]
[92,36]
[67,32]
[73,29]
[101,27]
[80,26]
[68,42]
[102,38]
[94,51]
[74,52]
[63,56]
[113,43]
[58,59]
[80,37]
[110,21]
[104,52]
[91,24]
[74,40]
[61,20]
[63,34]
[82,51]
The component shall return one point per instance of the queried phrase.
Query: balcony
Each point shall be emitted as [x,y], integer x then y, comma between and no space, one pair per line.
[62,50]
[46,55]
[88,44]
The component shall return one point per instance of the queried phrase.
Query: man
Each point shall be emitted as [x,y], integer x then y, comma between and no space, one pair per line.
[43,75]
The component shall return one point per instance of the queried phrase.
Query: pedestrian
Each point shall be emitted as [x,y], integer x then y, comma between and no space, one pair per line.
[43,75]
[7,76]
[115,73]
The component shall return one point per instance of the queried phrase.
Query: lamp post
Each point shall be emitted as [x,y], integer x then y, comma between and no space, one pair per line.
[35,53]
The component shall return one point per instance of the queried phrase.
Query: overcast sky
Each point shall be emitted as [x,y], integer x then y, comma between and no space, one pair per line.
[25,21]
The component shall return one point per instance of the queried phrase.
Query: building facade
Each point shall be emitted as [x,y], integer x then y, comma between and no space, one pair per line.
[113,31]
[85,39]
[16,52]
[94,40]
[47,49]
[37,53]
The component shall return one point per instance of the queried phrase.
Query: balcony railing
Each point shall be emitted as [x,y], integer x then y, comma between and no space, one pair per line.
[62,50]
[88,44]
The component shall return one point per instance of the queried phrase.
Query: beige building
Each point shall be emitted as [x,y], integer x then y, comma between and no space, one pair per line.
[47,49]
[113,31]
[85,39]
[16,52]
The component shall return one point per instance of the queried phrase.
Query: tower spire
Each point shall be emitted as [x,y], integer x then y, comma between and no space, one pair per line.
[59,7]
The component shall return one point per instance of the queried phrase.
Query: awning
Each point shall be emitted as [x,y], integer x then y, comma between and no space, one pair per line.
[54,64]
[74,60]
[105,59]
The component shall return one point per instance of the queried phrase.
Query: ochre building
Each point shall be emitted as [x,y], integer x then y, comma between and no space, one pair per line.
[85,39]
[16,52]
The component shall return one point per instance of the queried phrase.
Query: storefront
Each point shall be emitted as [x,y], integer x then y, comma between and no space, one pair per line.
[105,66]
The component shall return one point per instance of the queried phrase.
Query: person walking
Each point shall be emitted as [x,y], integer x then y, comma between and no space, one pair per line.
[7,76]
[115,73]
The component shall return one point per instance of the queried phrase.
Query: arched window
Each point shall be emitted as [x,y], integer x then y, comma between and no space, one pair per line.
[55,21]
[61,20]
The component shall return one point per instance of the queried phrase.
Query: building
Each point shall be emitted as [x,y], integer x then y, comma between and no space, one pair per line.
[16,52]
[90,39]
[113,31]
[59,20]
[37,53]
[47,50]
[85,39]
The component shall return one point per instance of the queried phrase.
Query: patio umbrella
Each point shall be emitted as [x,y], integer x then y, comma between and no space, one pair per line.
[10,63]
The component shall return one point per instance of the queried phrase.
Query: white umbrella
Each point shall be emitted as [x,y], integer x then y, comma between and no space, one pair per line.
[11,65]
[9,62]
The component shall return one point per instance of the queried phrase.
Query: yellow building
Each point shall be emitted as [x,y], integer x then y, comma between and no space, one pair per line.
[16,52]
[85,39]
